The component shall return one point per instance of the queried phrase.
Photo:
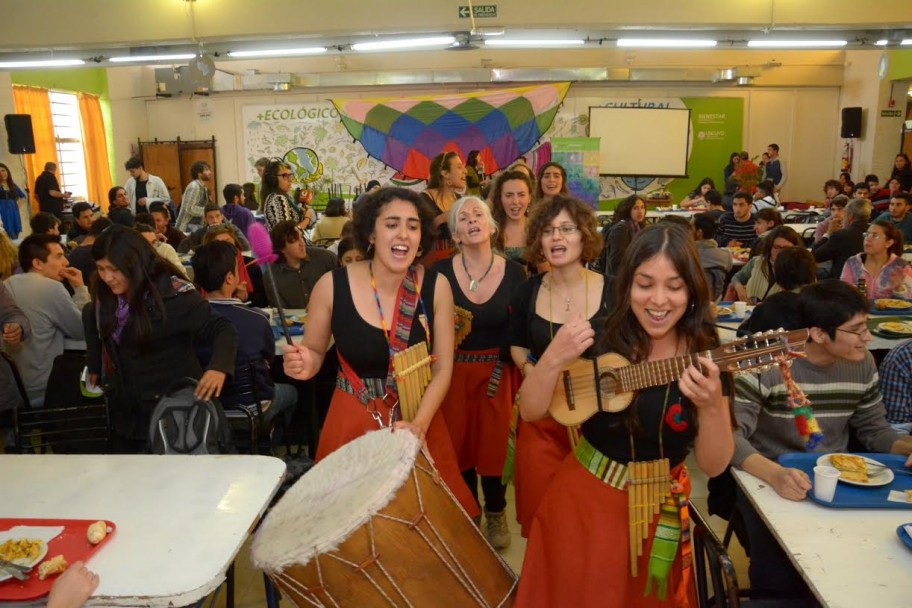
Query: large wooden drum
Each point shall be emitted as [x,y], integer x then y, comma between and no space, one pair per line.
[373,525]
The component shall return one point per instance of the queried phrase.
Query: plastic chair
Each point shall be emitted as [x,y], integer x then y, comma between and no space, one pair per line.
[240,401]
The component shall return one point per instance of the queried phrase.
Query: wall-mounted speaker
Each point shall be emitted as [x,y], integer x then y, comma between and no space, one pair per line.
[19,133]
[851,123]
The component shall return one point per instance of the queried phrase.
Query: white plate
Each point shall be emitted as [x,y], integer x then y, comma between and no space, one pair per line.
[884,477]
[42,552]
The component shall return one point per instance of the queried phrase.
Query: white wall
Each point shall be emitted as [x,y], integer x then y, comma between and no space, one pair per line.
[804,122]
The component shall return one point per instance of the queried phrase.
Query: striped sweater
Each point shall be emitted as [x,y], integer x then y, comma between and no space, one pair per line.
[844,394]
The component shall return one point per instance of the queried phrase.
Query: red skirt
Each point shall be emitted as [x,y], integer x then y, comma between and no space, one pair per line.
[479,425]
[578,551]
[347,419]
[541,446]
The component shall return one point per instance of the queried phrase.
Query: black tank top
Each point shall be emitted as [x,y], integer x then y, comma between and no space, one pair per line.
[361,344]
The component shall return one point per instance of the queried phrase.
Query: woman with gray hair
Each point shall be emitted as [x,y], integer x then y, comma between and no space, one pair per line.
[478,405]
[843,244]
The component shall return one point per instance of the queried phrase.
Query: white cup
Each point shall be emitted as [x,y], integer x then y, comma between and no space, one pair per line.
[674,207]
[825,479]
[740,309]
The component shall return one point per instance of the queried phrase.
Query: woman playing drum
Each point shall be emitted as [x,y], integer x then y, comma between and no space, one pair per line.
[564,233]
[376,308]
[579,551]
[478,405]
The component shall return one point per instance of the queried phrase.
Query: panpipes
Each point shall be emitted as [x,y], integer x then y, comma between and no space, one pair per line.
[463,324]
[412,373]
[648,485]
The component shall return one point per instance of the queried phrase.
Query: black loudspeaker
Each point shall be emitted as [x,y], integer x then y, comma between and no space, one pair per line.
[851,123]
[19,133]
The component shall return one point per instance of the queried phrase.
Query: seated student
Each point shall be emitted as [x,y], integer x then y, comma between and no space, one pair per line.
[844,243]
[82,221]
[794,268]
[161,217]
[716,262]
[900,214]
[212,217]
[764,221]
[896,386]
[81,257]
[298,268]
[835,221]
[161,248]
[250,278]
[329,226]
[757,279]
[861,191]
[839,377]
[250,196]
[215,270]
[52,313]
[765,197]
[234,210]
[45,223]
[713,198]
[886,273]
[736,227]
[16,329]
[119,210]
[696,199]
[349,252]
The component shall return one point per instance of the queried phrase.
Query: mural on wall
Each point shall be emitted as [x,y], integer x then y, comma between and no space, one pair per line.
[315,141]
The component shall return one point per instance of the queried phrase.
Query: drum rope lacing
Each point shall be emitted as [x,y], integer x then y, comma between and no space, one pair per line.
[309,594]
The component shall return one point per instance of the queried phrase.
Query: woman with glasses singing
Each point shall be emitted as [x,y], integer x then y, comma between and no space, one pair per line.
[277,206]
[886,273]
[564,233]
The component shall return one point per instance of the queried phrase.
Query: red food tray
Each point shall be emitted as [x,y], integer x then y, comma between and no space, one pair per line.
[72,543]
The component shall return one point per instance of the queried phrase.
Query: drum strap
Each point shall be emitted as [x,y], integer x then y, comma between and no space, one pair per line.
[367,390]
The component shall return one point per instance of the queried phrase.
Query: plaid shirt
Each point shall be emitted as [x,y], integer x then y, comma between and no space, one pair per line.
[896,383]
[194,202]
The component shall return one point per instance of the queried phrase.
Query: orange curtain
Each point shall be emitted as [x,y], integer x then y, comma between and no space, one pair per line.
[95,150]
[37,103]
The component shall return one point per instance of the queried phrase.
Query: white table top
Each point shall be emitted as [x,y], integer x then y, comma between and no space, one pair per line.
[848,557]
[180,519]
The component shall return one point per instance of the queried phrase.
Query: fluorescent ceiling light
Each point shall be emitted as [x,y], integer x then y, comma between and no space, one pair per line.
[149,58]
[881,42]
[314,50]
[406,43]
[784,44]
[534,43]
[42,63]
[906,42]
[665,43]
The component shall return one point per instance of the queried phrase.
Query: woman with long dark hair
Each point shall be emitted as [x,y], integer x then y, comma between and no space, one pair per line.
[551,181]
[146,319]
[757,279]
[579,550]
[902,171]
[510,199]
[880,264]
[10,195]
[373,309]
[476,181]
[329,226]
[446,180]
[629,218]
[695,198]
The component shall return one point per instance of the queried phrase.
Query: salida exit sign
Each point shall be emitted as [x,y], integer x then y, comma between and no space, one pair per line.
[480,11]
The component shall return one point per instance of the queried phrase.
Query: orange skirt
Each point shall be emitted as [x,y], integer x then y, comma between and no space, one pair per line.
[541,446]
[479,425]
[347,419]
[578,551]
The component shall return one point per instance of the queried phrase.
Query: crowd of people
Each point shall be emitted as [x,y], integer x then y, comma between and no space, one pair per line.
[543,284]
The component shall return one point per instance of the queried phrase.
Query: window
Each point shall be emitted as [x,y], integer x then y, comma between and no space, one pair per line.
[68,136]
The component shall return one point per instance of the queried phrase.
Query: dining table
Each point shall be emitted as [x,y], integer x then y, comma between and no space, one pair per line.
[180,520]
[849,558]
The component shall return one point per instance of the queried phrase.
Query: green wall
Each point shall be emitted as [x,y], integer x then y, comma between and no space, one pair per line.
[900,65]
[78,80]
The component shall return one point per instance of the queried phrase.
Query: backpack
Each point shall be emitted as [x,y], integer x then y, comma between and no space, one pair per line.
[183,424]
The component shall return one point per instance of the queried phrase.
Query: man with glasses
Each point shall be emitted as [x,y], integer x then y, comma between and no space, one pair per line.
[196,197]
[839,377]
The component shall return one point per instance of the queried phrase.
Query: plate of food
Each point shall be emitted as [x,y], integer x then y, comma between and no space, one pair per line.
[892,304]
[895,328]
[857,470]
[23,552]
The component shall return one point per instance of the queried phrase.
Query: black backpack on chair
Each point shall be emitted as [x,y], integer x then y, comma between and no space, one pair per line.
[183,424]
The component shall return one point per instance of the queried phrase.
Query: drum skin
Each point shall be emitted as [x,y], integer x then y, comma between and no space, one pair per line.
[419,550]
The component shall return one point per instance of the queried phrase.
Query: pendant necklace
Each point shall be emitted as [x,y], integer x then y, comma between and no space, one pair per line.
[473,284]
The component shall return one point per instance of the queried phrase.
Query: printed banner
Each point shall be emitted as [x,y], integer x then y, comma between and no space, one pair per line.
[579,156]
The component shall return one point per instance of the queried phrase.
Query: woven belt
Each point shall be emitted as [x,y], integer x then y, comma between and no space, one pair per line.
[464,356]
[609,471]
[376,387]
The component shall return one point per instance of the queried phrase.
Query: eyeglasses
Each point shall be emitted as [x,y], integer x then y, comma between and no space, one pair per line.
[860,333]
[873,235]
[285,175]
[564,229]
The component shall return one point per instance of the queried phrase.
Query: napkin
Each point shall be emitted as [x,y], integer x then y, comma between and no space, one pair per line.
[45,533]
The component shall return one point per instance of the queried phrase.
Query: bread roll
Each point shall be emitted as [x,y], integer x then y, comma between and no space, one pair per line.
[97,532]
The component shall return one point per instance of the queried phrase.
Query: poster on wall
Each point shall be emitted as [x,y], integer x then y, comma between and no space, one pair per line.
[579,156]
[314,142]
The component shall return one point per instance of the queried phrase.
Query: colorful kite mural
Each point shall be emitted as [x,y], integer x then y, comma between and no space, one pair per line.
[406,133]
